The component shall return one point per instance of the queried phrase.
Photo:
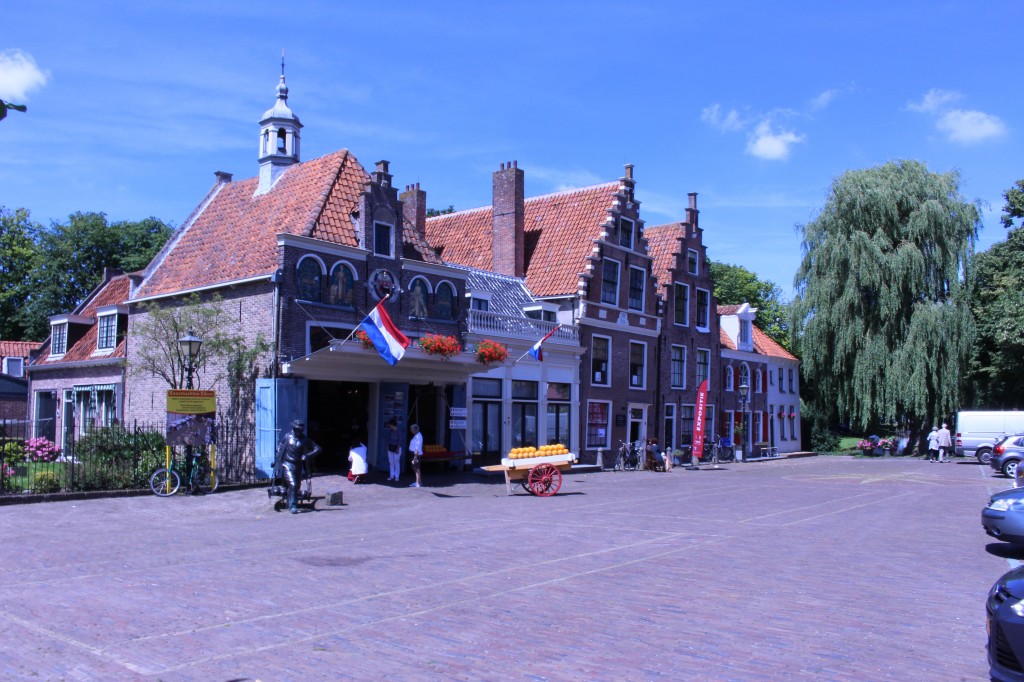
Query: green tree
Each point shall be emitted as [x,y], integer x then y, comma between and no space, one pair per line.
[434,212]
[71,258]
[998,365]
[734,285]
[17,255]
[883,294]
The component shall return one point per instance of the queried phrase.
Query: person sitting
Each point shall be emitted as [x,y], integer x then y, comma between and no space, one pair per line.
[357,463]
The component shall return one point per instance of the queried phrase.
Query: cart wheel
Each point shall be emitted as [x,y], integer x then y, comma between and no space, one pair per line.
[278,505]
[544,480]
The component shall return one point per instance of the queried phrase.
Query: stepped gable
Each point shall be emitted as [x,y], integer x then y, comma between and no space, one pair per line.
[233,236]
[560,229]
[766,345]
[663,243]
[114,292]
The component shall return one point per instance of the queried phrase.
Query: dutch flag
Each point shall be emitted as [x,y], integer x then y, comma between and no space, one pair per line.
[536,351]
[386,338]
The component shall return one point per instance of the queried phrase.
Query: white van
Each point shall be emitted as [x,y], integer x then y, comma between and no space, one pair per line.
[977,432]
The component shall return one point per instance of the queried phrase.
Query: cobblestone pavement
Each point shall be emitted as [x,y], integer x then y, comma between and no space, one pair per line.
[825,568]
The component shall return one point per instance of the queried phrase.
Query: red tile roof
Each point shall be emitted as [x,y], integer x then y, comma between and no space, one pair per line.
[663,243]
[724,339]
[234,236]
[728,309]
[114,292]
[560,230]
[17,349]
[766,345]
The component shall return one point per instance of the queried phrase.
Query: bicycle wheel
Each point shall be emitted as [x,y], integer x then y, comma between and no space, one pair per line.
[206,478]
[164,482]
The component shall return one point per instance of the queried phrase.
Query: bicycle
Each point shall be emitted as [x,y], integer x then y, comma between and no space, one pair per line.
[717,450]
[165,482]
[627,458]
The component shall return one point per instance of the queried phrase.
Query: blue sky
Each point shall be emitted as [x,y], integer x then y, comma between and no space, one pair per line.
[755,106]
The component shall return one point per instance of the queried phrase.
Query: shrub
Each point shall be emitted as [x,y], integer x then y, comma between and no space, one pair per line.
[12,453]
[46,482]
[112,458]
[823,439]
[41,450]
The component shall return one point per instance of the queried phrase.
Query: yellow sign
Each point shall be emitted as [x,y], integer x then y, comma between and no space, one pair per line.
[191,417]
[191,402]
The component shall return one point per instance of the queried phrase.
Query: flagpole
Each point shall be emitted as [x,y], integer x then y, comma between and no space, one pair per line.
[546,337]
[356,328]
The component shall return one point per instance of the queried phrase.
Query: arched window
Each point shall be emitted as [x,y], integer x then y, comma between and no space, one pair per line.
[744,375]
[307,279]
[444,302]
[728,378]
[342,286]
[419,294]
[282,141]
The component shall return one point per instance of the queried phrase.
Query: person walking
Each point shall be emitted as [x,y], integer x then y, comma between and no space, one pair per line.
[933,444]
[394,445]
[945,442]
[416,451]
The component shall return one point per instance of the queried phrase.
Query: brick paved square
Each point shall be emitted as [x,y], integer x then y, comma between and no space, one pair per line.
[825,568]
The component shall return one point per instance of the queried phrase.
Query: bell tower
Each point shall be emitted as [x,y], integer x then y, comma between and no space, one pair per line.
[279,138]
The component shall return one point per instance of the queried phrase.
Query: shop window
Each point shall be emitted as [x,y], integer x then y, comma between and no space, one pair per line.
[597,424]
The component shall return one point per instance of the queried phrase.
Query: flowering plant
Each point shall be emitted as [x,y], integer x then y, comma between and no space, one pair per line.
[885,443]
[792,415]
[364,339]
[41,450]
[6,470]
[866,444]
[436,344]
[488,351]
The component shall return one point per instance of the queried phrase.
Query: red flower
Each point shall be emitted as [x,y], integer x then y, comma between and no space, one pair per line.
[488,351]
[364,339]
[436,344]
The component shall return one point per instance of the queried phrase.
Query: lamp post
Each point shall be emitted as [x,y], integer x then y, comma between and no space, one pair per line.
[744,390]
[190,345]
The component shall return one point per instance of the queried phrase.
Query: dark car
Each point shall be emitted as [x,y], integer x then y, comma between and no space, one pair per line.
[1007,454]
[1003,518]
[1005,620]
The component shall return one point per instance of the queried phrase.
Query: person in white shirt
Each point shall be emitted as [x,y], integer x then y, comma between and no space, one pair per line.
[933,444]
[357,467]
[945,443]
[416,451]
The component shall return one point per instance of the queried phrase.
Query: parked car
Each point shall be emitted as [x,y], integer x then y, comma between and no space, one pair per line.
[1004,611]
[977,432]
[1007,454]
[1003,517]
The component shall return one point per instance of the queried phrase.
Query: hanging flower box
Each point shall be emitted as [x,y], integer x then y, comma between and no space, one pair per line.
[792,415]
[488,351]
[364,339]
[437,344]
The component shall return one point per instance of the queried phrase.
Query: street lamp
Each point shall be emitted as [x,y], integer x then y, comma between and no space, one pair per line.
[744,390]
[190,345]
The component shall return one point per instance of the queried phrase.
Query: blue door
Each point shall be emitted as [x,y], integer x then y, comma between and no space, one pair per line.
[278,403]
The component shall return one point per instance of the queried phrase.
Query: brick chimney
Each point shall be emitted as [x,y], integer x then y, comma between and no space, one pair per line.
[692,212]
[414,208]
[508,236]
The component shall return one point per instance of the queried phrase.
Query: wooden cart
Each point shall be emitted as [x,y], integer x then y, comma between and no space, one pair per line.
[538,475]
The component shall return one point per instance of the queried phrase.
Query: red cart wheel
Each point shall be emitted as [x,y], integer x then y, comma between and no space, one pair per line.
[544,480]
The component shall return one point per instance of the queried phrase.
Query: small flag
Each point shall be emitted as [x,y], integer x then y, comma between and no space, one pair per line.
[384,335]
[536,351]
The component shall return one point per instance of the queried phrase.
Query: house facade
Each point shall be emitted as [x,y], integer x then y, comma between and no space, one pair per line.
[78,378]
[14,358]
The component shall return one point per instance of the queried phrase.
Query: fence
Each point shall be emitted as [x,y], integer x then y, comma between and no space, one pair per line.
[117,457]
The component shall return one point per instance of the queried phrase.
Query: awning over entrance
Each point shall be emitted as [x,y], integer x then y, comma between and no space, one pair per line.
[352,362]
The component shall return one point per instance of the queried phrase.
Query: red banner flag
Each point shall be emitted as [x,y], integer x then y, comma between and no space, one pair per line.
[699,413]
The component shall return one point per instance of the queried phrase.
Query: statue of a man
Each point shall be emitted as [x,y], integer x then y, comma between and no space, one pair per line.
[295,448]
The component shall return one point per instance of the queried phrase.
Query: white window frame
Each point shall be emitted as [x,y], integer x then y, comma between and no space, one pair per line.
[758,382]
[9,366]
[391,240]
[608,364]
[694,262]
[730,379]
[100,320]
[608,427]
[618,280]
[642,384]
[56,351]
[745,332]
[697,360]
[632,233]
[686,308]
[670,418]
[706,326]
[643,287]
[744,367]
[671,373]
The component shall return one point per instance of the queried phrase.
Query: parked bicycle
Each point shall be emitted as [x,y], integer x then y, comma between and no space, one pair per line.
[201,477]
[627,458]
[717,450]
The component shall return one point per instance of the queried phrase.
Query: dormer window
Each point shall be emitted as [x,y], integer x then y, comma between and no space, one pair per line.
[626,232]
[14,367]
[745,332]
[381,239]
[479,304]
[59,339]
[106,333]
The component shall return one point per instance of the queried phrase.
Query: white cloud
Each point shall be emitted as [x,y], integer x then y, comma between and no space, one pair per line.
[934,100]
[970,126]
[731,121]
[765,143]
[824,99]
[19,75]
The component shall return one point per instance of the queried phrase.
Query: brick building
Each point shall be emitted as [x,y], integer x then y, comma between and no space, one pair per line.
[14,357]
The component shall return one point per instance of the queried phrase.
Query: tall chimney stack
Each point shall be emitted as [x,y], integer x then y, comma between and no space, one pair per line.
[692,212]
[508,240]
[414,208]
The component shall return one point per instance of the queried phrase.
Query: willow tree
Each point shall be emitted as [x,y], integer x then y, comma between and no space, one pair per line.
[882,305]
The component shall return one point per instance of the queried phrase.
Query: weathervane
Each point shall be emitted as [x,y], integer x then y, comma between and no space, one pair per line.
[4,106]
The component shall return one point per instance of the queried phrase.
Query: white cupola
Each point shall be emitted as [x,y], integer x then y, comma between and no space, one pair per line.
[279,138]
